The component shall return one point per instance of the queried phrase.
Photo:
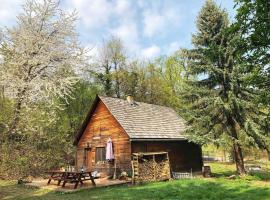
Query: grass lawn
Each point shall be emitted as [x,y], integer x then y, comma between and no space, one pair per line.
[251,187]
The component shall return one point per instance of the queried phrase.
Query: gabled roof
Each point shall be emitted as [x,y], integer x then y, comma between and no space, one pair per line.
[141,121]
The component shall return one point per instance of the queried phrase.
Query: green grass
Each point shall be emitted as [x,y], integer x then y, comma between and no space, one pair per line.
[227,169]
[247,188]
[221,170]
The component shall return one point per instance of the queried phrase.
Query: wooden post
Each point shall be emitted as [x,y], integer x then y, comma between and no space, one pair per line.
[170,170]
[154,165]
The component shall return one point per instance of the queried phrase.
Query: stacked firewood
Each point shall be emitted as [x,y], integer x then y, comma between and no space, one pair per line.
[146,170]
[163,170]
[150,170]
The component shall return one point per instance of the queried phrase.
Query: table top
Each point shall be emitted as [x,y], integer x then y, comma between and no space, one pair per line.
[74,172]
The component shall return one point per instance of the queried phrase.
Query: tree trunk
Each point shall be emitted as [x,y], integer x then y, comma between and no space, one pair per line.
[268,153]
[17,114]
[117,82]
[117,90]
[108,83]
[238,156]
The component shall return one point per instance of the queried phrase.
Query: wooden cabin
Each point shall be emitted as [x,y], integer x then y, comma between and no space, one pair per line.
[133,127]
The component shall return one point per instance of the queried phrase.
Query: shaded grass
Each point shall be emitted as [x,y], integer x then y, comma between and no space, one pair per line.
[227,169]
[11,190]
[261,175]
[222,169]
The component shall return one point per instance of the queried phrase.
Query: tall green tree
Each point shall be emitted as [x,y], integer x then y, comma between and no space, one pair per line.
[253,24]
[75,109]
[110,61]
[223,104]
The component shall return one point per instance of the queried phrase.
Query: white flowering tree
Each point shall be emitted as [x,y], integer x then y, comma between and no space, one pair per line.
[38,57]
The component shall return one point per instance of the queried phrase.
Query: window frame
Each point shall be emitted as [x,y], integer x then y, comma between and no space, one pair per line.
[100,156]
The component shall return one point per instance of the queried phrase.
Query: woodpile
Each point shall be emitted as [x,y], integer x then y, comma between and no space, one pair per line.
[148,168]
[163,171]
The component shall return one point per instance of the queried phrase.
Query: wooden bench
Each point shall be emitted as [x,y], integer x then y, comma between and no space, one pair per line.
[56,175]
[71,177]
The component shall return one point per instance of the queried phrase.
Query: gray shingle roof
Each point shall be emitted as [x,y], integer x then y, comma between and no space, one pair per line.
[146,121]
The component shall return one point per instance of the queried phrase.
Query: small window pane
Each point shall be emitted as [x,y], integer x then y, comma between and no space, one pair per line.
[100,154]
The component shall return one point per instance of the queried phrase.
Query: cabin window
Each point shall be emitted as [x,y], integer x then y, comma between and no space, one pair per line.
[100,155]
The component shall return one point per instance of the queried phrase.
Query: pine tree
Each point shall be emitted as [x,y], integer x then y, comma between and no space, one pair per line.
[253,23]
[223,106]
[253,20]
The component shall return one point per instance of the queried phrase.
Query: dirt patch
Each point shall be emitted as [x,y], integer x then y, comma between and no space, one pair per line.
[102,182]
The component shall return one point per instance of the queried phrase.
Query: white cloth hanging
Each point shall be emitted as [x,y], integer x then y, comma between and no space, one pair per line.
[109,150]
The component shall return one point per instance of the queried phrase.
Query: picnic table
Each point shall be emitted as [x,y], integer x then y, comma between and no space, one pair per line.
[71,177]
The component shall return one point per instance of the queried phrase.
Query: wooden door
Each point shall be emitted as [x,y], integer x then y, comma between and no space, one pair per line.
[79,158]
[89,157]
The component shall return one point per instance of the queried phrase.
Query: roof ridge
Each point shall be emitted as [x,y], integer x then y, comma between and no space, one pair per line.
[141,102]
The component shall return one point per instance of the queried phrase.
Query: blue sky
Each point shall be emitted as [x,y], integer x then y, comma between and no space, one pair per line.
[148,28]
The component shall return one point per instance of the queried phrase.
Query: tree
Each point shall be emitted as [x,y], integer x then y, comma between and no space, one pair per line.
[157,82]
[39,55]
[253,21]
[253,24]
[110,61]
[76,107]
[174,75]
[223,104]
[129,76]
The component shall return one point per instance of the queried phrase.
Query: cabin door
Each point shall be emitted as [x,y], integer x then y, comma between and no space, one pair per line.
[80,158]
[88,161]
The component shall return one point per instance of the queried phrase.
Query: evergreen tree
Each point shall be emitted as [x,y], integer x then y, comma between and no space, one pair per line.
[223,105]
[253,20]
[253,23]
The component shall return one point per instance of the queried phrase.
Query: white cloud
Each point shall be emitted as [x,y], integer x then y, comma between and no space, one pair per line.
[94,13]
[8,11]
[151,52]
[153,23]
[134,22]
[128,33]
[126,27]
[158,19]
[101,13]
[112,17]
[122,7]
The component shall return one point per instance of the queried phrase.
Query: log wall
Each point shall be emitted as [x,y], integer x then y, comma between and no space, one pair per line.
[101,126]
[183,155]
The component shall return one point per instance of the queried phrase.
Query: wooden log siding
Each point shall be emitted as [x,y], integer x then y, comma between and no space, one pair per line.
[101,126]
[183,155]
